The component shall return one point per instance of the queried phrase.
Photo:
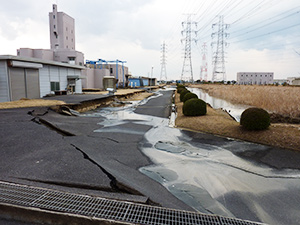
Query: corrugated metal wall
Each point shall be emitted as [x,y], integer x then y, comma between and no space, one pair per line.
[45,81]
[4,87]
[57,74]
[63,78]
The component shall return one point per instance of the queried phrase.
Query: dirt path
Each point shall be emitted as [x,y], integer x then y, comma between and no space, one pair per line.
[220,123]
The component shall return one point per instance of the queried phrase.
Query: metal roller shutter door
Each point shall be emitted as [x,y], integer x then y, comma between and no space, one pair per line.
[32,83]
[17,82]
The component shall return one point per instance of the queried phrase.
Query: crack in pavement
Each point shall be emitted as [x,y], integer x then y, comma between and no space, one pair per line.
[115,185]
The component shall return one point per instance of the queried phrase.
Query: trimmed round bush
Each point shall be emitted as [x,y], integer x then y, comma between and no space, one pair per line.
[255,119]
[180,86]
[179,90]
[189,96]
[183,93]
[194,107]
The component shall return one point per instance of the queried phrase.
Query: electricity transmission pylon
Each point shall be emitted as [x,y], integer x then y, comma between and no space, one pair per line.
[203,69]
[218,60]
[163,71]
[187,69]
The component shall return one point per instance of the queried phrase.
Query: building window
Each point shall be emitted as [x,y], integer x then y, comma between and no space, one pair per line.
[54,26]
[67,37]
[55,86]
[111,70]
[53,16]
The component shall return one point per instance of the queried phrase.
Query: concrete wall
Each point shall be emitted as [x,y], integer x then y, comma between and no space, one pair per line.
[98,79]
[296,81]
[25,52]
[94,78]
[46,54]
[259,78]
[113,68]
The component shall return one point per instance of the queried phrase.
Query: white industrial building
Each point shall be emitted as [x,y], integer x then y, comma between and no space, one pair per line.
[258,78]
[35,78]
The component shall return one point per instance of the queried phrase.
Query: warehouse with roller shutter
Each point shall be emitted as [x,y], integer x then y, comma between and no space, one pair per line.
[35,78]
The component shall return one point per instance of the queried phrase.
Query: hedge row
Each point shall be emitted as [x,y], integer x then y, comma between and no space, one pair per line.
[251,119]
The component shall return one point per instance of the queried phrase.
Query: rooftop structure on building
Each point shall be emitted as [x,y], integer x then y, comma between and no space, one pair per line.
[62,41]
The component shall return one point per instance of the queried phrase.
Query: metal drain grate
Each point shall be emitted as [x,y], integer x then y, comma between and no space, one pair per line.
[103,208]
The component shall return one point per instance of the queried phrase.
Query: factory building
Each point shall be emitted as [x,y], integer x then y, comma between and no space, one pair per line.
[35,78]
[258,78]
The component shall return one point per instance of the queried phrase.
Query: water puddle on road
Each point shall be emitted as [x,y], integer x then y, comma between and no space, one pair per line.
[210,177]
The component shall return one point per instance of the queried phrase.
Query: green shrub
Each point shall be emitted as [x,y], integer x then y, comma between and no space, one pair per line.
[189,96]
[255,119]
[179,90]
[180,86]
[194,107]
[183,93]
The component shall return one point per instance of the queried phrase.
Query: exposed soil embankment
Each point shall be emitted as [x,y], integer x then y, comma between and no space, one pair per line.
[220,123]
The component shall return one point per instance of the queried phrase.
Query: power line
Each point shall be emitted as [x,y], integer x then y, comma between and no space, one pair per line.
[276,31]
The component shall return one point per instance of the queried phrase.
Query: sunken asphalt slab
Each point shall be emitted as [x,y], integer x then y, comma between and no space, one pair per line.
[35,152]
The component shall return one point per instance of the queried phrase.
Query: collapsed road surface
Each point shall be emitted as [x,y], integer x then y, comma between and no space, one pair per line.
[67,155]
[213,174]
[110,153]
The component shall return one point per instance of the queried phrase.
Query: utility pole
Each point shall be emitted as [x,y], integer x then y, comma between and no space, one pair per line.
[218,60]
[187,69]
[203,69]
[163,72]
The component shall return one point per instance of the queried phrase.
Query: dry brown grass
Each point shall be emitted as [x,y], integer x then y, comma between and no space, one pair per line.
[219,123]
[23,103]
[284,100]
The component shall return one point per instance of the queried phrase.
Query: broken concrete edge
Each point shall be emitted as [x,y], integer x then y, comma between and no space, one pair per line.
[41,216]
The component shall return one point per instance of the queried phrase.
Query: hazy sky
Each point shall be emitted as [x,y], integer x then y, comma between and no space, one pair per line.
[263,35]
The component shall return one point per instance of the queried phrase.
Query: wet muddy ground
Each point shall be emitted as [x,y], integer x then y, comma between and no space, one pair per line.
[212,174]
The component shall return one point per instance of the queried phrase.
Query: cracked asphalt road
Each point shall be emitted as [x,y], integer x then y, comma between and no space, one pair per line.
[104,164]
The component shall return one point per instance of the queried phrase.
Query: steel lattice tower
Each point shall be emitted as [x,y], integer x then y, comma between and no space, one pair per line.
[163,71]
[218,61]
[187,31]
[203,70]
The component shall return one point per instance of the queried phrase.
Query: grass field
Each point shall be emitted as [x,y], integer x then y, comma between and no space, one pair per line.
[283,100]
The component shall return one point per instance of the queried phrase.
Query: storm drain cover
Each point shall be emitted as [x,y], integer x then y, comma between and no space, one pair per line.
[91,206]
